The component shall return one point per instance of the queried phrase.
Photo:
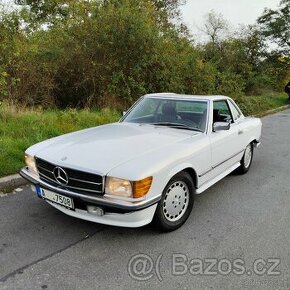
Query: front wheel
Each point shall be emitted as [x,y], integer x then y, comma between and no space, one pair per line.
[176,203]
[246,160]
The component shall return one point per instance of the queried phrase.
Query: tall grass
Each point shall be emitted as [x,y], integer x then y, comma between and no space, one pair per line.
[21,127]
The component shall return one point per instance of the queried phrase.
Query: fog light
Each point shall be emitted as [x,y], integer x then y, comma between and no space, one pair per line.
[95,210]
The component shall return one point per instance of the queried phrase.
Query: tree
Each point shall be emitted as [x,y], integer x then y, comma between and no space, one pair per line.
[47,13]
[170,6]
[109,52]
[275,26]
[215,25]
[10,40]
[50,11]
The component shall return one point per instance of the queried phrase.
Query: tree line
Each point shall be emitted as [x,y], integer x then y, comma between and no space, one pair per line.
[107,53]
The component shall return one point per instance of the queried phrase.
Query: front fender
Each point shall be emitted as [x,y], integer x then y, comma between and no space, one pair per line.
[183,167]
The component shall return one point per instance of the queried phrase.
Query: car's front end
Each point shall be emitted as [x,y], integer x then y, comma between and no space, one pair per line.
[112,174]
[90,196]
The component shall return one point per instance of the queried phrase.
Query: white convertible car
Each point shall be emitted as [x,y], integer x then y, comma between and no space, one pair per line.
[149,165]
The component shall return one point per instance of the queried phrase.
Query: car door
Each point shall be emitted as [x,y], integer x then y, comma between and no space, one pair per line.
[226,145]
[240,120]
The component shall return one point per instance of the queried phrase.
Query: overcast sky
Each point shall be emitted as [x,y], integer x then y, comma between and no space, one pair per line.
[235,11]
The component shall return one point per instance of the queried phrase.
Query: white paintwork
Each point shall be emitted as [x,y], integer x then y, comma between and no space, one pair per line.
[131,220]
[136,151]
[211,182]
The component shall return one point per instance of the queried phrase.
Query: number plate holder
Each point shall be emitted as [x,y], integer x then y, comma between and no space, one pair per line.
[57,198]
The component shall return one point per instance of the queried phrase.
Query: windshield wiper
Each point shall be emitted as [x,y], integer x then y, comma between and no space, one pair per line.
[176,126]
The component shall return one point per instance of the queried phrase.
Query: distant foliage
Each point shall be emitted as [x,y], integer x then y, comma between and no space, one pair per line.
[106,53]
[275,25]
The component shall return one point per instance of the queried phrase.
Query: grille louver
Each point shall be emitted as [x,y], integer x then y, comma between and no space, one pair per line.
[78,181]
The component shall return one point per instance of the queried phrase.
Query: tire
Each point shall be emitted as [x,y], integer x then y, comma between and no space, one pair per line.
[246,160]
[176,203]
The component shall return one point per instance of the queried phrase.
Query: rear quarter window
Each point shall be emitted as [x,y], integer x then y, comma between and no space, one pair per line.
[236,114]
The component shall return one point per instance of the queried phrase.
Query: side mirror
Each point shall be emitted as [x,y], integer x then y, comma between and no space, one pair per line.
[124,113]
[221,126]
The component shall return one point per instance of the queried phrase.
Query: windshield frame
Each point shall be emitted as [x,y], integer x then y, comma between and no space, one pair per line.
[122,120]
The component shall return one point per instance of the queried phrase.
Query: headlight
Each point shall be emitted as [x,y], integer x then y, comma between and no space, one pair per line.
[117,186]
[127,188]
[30,162]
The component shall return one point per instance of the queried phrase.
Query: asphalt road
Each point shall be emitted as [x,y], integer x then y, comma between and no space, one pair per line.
[241,220]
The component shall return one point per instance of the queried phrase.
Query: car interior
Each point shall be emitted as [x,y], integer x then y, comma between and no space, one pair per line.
[221,112]
[168,113]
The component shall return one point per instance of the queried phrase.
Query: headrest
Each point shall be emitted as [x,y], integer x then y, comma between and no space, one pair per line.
[168,109]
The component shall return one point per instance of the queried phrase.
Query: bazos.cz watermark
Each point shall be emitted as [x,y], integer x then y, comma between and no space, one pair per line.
[143,267]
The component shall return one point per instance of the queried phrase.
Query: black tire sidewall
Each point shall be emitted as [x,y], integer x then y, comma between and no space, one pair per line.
[159,219]
[243,168]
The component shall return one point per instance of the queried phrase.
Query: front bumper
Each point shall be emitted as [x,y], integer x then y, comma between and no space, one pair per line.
[133,219]
[117,212]
[257,143]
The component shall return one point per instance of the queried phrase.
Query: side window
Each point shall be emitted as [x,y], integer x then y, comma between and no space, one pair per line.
[221,112]
[236,114]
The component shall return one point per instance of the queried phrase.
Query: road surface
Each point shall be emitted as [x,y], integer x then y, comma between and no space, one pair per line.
[241,221]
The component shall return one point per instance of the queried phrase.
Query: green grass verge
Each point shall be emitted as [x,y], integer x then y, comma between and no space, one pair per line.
[255,105]
[20,128]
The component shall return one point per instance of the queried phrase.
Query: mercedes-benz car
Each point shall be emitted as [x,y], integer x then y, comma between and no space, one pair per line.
[148,166]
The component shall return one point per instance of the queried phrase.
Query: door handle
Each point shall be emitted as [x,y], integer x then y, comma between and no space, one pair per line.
[240,132]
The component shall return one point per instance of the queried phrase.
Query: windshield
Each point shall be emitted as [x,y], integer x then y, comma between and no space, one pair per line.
[179,114]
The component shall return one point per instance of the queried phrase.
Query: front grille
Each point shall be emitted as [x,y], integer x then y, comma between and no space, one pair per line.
[78,181]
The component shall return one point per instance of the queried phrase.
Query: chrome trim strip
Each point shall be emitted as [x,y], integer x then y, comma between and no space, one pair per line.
[217,165]
[82,189]
[126,205]
[44,169]
[84,181]
[53,180]
[212,181]
[205,172]
[73,187]
[69,168]
[220,163]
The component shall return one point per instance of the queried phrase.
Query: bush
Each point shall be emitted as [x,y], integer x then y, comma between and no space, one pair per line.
[82,54]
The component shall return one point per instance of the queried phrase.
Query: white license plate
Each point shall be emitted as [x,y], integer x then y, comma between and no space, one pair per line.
[57,198]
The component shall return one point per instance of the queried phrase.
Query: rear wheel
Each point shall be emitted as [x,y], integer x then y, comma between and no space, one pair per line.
[246,160]
[176,203]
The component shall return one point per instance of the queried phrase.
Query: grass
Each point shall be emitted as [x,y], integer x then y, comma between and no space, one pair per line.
[20,127]
[256,105]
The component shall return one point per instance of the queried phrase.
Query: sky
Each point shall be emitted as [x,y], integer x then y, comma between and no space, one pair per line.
[235,11]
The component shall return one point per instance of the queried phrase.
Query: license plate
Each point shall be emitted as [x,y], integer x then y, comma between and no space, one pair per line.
[57,198]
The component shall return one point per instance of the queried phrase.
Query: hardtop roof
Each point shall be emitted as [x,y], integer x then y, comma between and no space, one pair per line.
[188,97]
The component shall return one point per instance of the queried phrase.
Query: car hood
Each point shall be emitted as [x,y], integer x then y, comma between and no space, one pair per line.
[103,148]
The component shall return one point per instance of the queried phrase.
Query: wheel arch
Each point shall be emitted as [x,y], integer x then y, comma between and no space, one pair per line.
[253,140]
[192,174]
[256,142]
[188,169]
